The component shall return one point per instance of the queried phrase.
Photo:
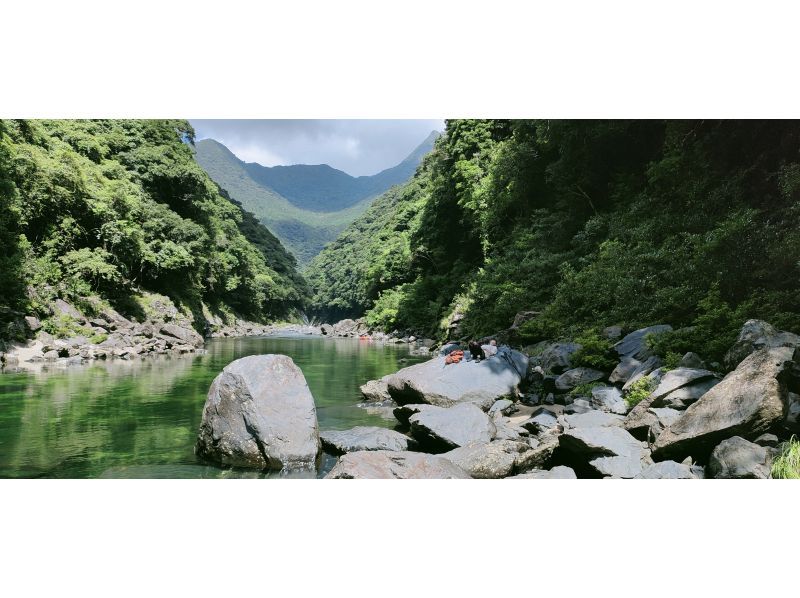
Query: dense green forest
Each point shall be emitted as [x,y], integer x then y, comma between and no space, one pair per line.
[110,208]
[305,206]
[590,223]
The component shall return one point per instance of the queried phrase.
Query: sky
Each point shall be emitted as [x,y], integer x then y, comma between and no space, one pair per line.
[358,147]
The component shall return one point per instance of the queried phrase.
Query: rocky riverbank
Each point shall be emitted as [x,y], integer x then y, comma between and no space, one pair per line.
[516,415]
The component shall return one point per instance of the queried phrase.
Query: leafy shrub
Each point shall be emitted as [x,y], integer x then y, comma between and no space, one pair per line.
[639,391]
[596,352]
[786,466]
[671,361]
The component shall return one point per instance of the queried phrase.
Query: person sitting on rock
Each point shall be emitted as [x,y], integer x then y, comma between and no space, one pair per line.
[476,351]
[490,350]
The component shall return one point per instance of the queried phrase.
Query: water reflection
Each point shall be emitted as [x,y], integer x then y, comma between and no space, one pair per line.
[139,418]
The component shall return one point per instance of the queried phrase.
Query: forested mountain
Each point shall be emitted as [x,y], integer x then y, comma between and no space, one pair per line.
[306,206]
[110,208]
[591,223]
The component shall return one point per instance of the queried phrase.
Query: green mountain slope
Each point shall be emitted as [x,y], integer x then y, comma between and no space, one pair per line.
[110,208]
[316,202]
[591,223]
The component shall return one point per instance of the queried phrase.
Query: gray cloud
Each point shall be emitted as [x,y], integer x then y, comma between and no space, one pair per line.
[358,147]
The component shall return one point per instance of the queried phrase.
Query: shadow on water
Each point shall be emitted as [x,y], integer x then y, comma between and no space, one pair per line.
[139,419]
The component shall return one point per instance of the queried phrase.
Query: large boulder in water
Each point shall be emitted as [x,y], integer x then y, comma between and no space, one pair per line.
[260,413]
[435,383]
[370,465]
[751,400]
[757,334]
[365,438]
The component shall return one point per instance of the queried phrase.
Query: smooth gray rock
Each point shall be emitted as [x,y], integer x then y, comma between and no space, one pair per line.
[592,419]
[679,378]
[740,459]
[624,370]
[748,402]
[609,451]
[504,406]
[540,421]
[685,396]
[556,358]
[692,360]
[577,376]
[490,460]
[757,334]
[404,412]
[767,440]
[33,323]
[439,429]
[376,390]
[442,385]
[61,307]
[371,465]
[559,472]
[609,398]
[260,413]
[666,416]
[635,344]
[670,470]
[578,406]
[365,438]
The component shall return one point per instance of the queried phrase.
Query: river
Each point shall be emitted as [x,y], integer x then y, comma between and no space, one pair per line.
[139,418]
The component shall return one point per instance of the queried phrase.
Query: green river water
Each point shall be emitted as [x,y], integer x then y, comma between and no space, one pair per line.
[139,419]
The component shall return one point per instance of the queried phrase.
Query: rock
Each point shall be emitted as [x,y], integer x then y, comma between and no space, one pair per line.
[577,376]
[748,402]
[50,355]
[678,378]
[376,390]
[635,344]
[442,385]
[685,396]
[61,307]
[557,473]
[793,412]
[612,333]
[647,368]
[404,412]
[666,416]
[757,334]
[369,465]
[608,451]
[591,419]
[490,460]
[670,470]
[737,458]
[33,323]
[767,440]
[541,420]
[579,406]
[555,358]
[365,438]
[186,335]
[624,370]
[692,360]
[608,398]
[504,406]
[439,429]
[10,360]
[260,413]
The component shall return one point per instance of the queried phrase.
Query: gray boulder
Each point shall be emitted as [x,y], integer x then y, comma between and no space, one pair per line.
[650,368]
[442,385]
[439,429]
[692,360]
[635,344]
[490,460]
[62,308]
[555,358]
[670,470]
[624,370]
[740,459]
[365,438]
[376,390]
[370,465]
[541,420]
[404,412]
[748,402]
[591,419]
[260,413]
[679,378]
[559,472]
[609,398]
[686,395]
[757,334]
[504,406]
[608,451]
[577,376]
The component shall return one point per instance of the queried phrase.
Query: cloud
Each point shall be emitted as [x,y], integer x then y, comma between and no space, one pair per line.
[358,147]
